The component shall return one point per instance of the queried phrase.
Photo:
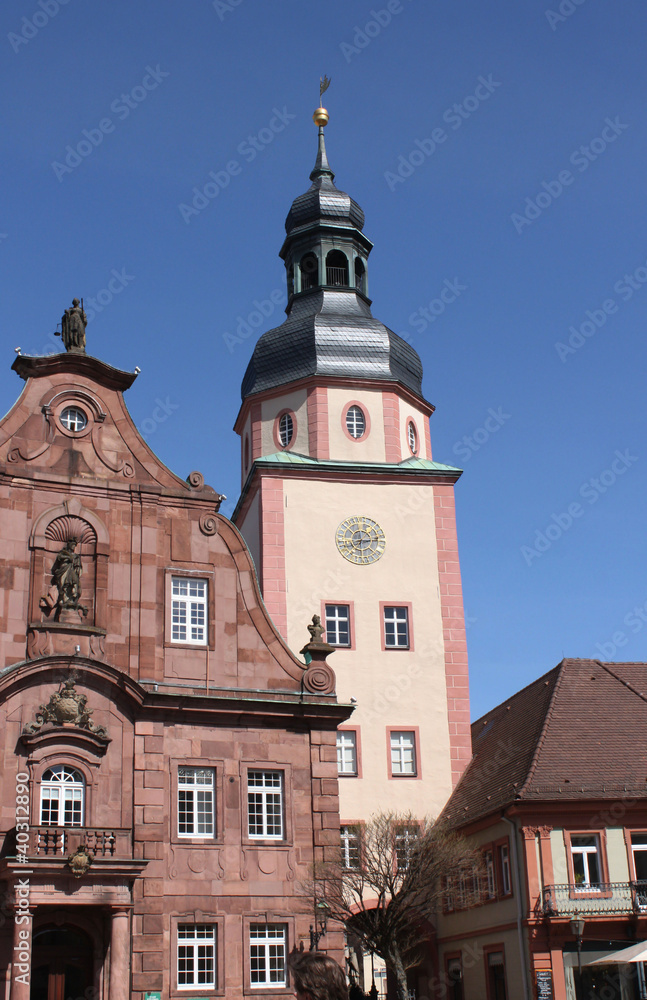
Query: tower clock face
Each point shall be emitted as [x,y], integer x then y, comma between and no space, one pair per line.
[360,540]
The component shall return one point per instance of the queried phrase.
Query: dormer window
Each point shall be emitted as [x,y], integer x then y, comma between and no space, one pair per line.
[309,268]
[360,276]
[337,268]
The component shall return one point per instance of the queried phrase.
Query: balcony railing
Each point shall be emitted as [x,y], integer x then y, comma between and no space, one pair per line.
[53,841]
[336,276]
[603,898]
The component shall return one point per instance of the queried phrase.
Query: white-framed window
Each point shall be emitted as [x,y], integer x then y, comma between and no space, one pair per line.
[350,846]
[73,418]
[412,437]
[355,421]
[405,838]
[195,801]
[346,751]
[585,855]
[62,793]
[504,865]
[490,875]
[265,804]
[267,953]
[403,753]
[338,624]
[189,610]
[639,852]
[196,956]
[286,429]
[396,628]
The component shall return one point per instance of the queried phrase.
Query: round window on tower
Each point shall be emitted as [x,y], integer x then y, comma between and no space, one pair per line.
[285,429]
[73,418]
[412,437]
[355,421]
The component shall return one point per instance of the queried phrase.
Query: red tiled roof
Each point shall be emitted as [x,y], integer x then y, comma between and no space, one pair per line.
[578,732]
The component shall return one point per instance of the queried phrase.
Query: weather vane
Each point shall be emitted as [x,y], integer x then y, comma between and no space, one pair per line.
[320,117]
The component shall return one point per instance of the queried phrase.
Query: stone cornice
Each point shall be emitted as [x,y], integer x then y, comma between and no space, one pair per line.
[74,364]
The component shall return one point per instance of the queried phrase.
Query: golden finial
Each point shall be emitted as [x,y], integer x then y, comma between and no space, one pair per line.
[321,116]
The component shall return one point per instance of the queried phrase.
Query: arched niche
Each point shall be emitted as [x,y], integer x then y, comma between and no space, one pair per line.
[52,532]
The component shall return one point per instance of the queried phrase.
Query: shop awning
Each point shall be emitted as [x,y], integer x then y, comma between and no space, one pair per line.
[634,953]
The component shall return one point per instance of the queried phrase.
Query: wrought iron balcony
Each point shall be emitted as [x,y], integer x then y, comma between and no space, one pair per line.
[52,841]
[602,898]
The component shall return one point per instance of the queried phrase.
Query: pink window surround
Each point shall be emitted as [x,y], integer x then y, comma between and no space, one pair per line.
[416,743]
[351,619]
[397,604]
[272,569]
[358,750]
[367,420]
[454,639]
[275,430]
[427,437]
[391,406]
[318,430]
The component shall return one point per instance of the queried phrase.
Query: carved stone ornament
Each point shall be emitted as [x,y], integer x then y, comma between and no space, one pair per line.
[65,707]
[79,862]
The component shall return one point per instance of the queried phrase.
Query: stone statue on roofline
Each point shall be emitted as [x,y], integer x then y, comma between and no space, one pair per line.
[73,324]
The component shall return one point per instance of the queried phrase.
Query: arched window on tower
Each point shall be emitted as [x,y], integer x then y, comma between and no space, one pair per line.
[337,268]
[62,793]
[360,276]
[291,280]
[309,268]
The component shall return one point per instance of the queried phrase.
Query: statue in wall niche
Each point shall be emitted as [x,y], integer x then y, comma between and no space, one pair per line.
[66,577]
[73,324]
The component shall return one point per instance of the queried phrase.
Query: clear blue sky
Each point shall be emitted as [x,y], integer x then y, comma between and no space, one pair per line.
[553,84]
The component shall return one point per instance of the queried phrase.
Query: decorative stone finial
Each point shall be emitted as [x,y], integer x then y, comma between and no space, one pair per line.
[73,324]
[319,678]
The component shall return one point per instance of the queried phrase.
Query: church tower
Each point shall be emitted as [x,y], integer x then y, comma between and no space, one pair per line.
[347,515]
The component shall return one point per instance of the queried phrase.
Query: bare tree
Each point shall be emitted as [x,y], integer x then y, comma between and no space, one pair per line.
[389,881]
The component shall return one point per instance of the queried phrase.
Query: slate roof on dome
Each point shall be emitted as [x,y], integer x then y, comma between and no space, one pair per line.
[323,201]
[329,332]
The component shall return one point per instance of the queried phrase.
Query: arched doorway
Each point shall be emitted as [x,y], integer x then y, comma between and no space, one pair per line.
[62,964]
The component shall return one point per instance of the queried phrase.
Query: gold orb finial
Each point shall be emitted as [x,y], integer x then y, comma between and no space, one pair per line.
[320,117]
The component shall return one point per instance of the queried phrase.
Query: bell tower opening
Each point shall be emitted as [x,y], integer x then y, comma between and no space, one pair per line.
[337,268]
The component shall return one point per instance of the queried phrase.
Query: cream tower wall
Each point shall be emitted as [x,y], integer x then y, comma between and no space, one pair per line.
[396,688]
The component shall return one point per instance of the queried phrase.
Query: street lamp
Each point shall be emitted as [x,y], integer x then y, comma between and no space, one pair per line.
[577,929]
[321,922]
